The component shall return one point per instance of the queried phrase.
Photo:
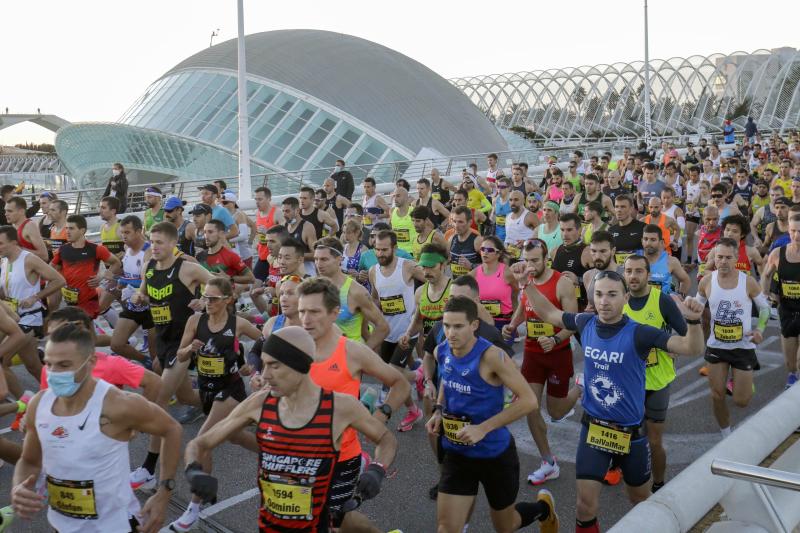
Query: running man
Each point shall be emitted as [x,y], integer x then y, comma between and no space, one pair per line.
[663,268]
[472,424]
[219,259]
[614,397]
[84,460]
[298,423]
[28,235]
[731,344]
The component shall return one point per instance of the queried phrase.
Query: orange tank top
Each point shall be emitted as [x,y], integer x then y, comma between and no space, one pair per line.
[266,222]
[333,374]
[662,223]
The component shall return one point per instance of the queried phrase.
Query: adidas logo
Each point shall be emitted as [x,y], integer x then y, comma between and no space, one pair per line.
[334,367]
[228,333]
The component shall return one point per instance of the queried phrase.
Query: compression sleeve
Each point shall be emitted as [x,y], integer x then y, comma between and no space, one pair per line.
[672,315]
[763,311]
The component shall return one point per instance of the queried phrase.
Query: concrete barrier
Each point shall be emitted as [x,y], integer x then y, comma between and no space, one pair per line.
[683,502]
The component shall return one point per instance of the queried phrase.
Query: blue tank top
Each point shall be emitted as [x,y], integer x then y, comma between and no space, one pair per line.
[280,321]
[468,399]
[614,375]
[501,210]
[660,276]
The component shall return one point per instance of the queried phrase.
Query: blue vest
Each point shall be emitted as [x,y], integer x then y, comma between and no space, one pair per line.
[468,397]
[660,276]
[614,375]
[501,211]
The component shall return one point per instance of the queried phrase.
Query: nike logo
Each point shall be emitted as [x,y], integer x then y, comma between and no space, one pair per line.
[171,272]
[80,428]
[172,361]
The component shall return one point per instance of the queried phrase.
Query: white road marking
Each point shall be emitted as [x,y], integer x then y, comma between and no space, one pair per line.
[228,502]
[5,430]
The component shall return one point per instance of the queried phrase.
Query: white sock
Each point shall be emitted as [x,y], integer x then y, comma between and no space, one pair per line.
[111,317]
[194,508]
[725,431]
[466,527]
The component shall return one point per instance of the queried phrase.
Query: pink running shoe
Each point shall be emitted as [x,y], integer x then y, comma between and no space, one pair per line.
[407,424]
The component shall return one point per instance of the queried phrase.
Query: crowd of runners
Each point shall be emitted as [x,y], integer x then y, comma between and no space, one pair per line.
[310,331]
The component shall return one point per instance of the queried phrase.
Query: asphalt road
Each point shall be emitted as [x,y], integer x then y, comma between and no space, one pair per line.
[404,502]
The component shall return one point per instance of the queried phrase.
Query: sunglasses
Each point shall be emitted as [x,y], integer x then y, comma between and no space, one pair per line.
[213,298]
[488,250]
[502,186]
[716,196]
[611,275]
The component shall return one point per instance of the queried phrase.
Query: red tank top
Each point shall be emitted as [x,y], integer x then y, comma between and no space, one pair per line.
[272,281]
[743,262]
[25,243]
[333,374]
[535,327]
[707,240]
[267,222]
[295,468]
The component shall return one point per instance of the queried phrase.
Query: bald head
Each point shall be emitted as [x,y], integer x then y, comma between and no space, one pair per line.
[298,337]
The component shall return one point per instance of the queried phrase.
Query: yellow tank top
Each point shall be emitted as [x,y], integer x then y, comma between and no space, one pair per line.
[404,229]
[417,246]
[109,236]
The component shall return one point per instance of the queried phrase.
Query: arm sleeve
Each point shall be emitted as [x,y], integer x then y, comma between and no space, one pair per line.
[576,321]
[672,315]
[646,337]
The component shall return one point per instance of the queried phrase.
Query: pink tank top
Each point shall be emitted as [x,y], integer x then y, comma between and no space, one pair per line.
[495,293]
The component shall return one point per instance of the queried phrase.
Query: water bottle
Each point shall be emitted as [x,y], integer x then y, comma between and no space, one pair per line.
[369,397]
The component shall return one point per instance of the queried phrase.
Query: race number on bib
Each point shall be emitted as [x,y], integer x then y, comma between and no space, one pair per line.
[608,439]
[452,425]
[500,221]
[210,366]
[458,270]
[790,289]
[13,303]
[161,314]
[403,235]
[652,358]
[393,305]
[728,332]
[286,500]
[537,328]
[70,295]
[74,499]
[492,306]
[513,251]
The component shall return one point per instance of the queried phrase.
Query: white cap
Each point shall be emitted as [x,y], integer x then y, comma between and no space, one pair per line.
[229,196]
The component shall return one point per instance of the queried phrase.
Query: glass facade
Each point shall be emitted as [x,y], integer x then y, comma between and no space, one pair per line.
[287,133]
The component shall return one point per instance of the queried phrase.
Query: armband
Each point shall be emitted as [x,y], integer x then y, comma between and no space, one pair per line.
[763,311]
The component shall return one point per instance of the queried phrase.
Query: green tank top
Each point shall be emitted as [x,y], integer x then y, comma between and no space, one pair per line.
[416,246]
[587,235]
[151,220]
[349,323]
[660,367]
[404,228]
[553,239]
[432,311]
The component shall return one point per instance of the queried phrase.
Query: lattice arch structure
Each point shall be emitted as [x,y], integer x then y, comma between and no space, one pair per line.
[607,101]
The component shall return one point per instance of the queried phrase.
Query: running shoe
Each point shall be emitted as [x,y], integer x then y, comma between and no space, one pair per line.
[656,486]
[190,415]
[186,522]
[773,313]
[420,382]
[703,370]
[142,480]
[559,420]
[544,473]
[549,524]
[791,379]
[613,476]
[6,517]
[22,407]
[407,424]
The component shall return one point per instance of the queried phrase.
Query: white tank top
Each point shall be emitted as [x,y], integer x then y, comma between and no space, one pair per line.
[17,287]
[731,317]
[692,196]
[516,230]
[243,242]
[87,472]
[132,268]
[371,211]
[396,300]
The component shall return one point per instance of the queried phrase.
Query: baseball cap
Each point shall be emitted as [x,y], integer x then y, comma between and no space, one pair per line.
[428,259]
[209,187]
[229,196]
[173,202]
[201,209]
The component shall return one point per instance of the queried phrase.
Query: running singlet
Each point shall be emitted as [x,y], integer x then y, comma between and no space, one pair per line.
[17,288]
[553,239]
[534,326]
[295,469]
[495,293]
[185,244]
[730,315]
[85,471]
[501,210]
[218,360]
[169,300]
[432,311]
[132,271]
[568,259]
[661,223]
[788,283]
[466,249]
[742,261]
[395,299]
[273,277]
[58,238]
[440,193]
[468,399]
[224,261]
[517,233]
[416,246]
[110,238]
[313,219]
[403,227]
[77,266]
[151,220]
[660,367]
[660,276]
[264,222]
[333,374]
[349,323]
[23,242]
[627,239]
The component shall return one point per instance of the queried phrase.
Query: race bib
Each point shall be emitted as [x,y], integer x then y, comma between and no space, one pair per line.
[608,439]
[500,221]
[513,251]
[286,500]
[452,425]
[115,247]
[728,332]
[74,499]
[620,258]
[656,284]
[537,328]
[652,358]
[70,295]
[403,235]
[210,366]
[790,289]
[367,220]
[578,292]
[701,269]
[161,314]
[393,305]
[458,270]
[436,196]
[13,303]
[492,306]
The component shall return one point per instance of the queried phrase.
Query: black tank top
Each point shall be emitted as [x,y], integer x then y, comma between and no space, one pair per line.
[568,259]
[435,217]
[218,359]
[628,238]
[440,193]
[313,219]
[185,245]
[521,188]
[169,300]
[330,203]
[297,234]
[788,283]
[459,249]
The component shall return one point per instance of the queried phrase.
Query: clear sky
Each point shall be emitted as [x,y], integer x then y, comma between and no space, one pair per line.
[88,60]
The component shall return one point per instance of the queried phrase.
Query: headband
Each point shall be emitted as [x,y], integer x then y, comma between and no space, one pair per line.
[553,205]
[333,250]
[288,354]
[431,258]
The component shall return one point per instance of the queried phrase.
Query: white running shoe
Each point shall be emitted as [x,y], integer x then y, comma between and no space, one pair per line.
[559,420]
[188,520]
[141,479]
[545,472]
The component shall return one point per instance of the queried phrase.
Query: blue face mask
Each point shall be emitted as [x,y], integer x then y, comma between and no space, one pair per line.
[63,383]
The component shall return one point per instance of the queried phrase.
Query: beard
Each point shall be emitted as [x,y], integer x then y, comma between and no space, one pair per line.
[385,261]
[602,264]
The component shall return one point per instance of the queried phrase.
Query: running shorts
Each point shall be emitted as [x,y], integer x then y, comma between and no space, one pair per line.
[790,323]
[738,358]
[393,354]
[235,389]
[143,318]
[591,463]
[343,486]
[553,368]
[656,403]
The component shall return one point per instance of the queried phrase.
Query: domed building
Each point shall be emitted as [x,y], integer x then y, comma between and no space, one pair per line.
[313,97]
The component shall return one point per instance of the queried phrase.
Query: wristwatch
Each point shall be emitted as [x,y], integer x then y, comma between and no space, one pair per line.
[168,484]
[386,409]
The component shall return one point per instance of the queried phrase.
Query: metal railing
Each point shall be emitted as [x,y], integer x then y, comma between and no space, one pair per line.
[756,474]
